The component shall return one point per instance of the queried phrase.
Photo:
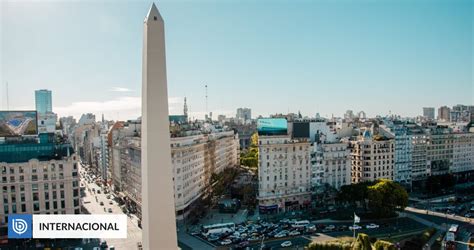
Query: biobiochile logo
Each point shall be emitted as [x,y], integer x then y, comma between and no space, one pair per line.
[20,226]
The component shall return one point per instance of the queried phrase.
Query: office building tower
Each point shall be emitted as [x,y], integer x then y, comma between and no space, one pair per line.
[43,101]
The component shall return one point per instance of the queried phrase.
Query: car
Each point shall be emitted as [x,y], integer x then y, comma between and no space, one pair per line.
[111,248]
[330,227]
[286,244]
[243,244]
[111,202]
[468,215]
[108,196]
[372,226]
[281,234]
[226,242]
[356,227]
[254,238]
[294,233]
[109,210]
[213,238]
[101,203]
[98,191]
[96,248]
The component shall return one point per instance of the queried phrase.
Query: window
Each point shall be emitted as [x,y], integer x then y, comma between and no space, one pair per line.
[46,195]
[35,196]
[34,177]
[34,187]
[46,205]
[22,197]
[45,176]
[20,169]
[36,206]
[23,207]
[61,168]
[33,170]
[63,204]
[62,194]
[12,171]
[12,178]
[46,186]
[22,178]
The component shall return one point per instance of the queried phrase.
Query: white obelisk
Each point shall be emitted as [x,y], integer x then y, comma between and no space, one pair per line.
[158,213]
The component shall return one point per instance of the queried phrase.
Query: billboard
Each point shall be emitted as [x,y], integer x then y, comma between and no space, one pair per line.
[272,126]
[301,130]
[17,123]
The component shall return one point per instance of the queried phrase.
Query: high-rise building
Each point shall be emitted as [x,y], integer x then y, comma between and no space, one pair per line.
[244,114]
[443,113]
[39,176]
[403,150]
[463,153]
[429,113]
[43,101]
[372,157]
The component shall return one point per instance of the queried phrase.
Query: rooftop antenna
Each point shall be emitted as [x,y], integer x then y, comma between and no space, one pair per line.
[206,97]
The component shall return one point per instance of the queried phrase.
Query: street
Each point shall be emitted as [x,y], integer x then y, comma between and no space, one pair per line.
[91,202]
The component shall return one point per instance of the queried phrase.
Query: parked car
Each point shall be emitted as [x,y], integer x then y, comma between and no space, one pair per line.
[372,226]
[286,244]
[109,210]
[356,227]
[294,233]
[243,244]
[101,203]
[226,242]
[111,202]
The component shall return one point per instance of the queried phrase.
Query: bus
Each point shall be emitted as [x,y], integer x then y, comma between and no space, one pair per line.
[300,223]
[218,228]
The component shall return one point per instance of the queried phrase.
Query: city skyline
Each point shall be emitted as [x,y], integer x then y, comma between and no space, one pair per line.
[302,56]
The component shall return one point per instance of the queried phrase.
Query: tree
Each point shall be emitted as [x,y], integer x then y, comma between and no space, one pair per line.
[384,245]
[254,140]
[385,197]
[362,243]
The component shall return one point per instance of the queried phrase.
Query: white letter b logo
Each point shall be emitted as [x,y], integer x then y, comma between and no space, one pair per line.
[19,226]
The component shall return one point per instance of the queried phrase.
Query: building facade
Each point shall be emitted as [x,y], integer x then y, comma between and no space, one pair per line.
[38,178]
[284,173]
[43,101]
[429,113]
[331,164]
[372,158]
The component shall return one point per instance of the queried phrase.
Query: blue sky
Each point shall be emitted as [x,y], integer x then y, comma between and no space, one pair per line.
[271,56]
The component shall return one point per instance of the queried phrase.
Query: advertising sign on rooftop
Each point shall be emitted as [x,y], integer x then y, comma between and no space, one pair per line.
[272,126]
[17,123]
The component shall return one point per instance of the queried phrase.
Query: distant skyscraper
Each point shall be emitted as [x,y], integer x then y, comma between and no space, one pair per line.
[244,114]
[429,112]
[443,113]
[43,101]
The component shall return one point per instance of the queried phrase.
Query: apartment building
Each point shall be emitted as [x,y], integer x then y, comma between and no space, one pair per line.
[284,173]
[439,151]
[373,157]
[195,158]
[331,164]
[463,153]
[39,176]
